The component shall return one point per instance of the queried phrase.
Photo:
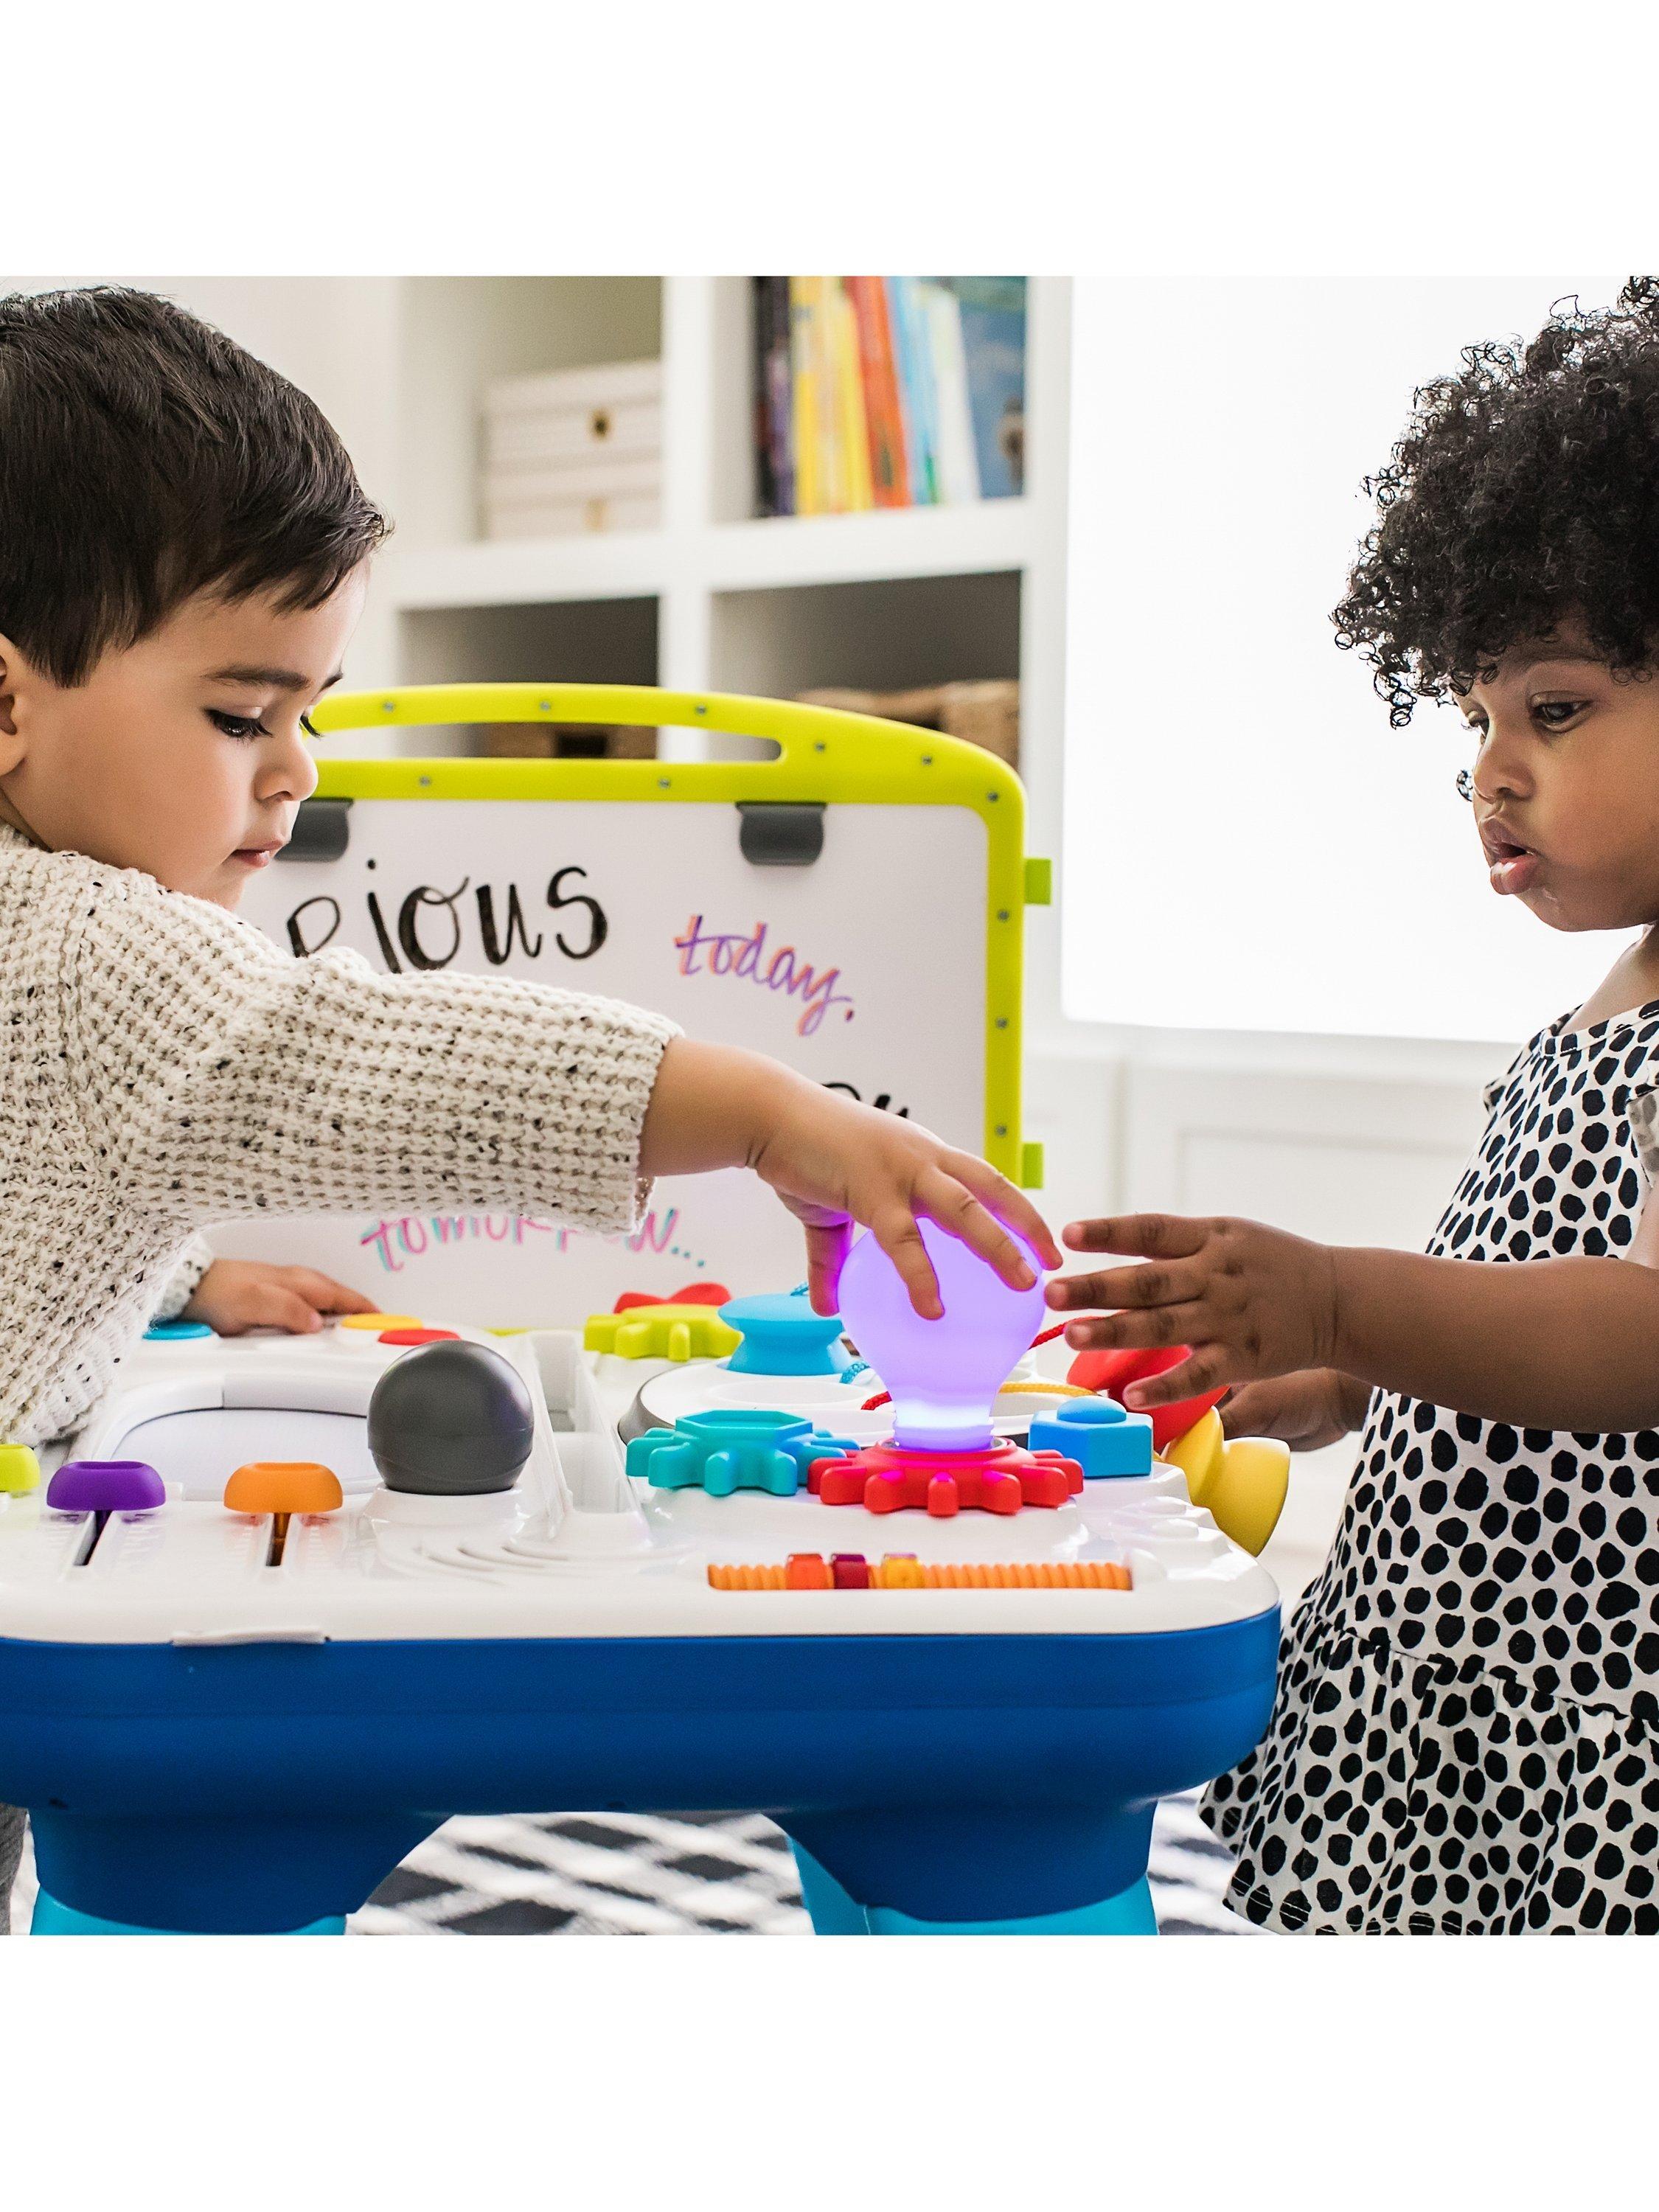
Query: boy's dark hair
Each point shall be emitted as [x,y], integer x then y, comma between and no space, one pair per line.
[1524,489]
[144,456]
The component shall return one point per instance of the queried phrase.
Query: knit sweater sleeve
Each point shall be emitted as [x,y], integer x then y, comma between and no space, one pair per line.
[217,1077]
[188,1270]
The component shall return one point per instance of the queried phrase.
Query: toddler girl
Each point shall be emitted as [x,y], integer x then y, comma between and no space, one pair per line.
[1464,1740]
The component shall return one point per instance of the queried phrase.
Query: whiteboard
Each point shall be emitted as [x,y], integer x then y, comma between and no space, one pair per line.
[865,971]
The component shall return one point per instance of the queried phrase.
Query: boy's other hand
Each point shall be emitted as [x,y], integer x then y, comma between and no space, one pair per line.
[1307,1411]
[236,1295]
[834,1163]
[1249,1300]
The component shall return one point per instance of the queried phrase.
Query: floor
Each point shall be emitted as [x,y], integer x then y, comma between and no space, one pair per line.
[635,1874]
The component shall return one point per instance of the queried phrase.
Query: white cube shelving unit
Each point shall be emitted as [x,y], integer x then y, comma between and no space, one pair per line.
[715,600]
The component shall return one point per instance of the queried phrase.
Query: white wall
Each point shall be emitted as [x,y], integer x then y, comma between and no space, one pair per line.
[1227,768]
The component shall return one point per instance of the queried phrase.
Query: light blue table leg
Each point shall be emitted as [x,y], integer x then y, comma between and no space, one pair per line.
[1129,1913]
[52,1919]
[835,1913]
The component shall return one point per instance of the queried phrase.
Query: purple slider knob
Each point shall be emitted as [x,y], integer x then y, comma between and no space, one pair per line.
[105,1485]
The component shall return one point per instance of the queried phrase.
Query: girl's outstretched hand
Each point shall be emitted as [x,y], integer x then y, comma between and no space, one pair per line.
[1249,1300]
[834,1163]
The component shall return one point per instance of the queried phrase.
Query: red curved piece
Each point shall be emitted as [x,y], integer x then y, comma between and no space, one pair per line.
[1110,1373]
[694,1294]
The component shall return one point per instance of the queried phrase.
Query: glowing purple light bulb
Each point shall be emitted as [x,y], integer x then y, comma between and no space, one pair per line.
[941,1375]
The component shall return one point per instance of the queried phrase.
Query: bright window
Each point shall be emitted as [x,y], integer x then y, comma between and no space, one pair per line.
[1249,844]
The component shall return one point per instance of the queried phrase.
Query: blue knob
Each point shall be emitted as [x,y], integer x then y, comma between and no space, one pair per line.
[1098,1434]
[782,1335]
[176,1331]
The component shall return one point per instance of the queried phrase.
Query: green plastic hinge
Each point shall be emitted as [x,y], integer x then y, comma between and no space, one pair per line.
[1039,883]
[1030,1167]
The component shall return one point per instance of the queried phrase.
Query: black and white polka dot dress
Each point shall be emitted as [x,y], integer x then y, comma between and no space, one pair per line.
[1466,1739]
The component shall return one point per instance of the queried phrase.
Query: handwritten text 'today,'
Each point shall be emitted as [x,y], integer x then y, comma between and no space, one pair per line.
[732,954]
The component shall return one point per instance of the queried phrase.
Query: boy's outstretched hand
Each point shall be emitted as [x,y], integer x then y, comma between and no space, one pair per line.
[1249,1300]
[833,1163]
[235,1295]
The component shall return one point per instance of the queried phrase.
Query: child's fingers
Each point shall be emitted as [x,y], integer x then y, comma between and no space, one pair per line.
[1154,1235]
[1255,1409]
[269,1305]
[901,1240]
[1151,1329]
[1001,1198]
[946,1200]
[325,1293]
[1210,1365]
[826,1249]
[1179,1282]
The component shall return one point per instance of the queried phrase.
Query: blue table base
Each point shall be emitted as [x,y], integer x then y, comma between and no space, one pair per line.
[52,1919]
[833,1912]
[930,1784]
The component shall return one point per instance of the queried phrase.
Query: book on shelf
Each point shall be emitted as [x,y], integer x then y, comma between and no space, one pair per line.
[851,422]
[887,392]
[884,422]
[773,443]
[916,384]
[806,442]
[993,342]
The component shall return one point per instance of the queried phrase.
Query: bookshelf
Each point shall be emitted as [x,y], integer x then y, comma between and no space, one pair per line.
[715,600]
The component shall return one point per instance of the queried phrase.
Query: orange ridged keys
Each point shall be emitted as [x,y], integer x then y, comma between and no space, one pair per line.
[807,1570]
[903,1571]
[899,1571]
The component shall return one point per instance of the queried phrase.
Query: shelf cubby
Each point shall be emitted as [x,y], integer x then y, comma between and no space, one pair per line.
[883,633]
[717,598]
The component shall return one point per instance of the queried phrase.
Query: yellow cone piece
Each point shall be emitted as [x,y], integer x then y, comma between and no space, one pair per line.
[664,1332]
[1246,1498]
[1198,1455]
[20,1470]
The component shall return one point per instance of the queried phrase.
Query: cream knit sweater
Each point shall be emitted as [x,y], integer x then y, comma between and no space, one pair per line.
[165,1065]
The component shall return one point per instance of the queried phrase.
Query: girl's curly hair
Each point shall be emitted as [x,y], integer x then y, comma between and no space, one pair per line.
[1525,489]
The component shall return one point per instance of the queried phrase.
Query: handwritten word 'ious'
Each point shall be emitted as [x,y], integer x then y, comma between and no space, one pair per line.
[732,953]
[316,921]
[409,1236]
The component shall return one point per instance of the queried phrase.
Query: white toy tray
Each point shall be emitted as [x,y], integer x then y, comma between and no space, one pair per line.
[575,1549]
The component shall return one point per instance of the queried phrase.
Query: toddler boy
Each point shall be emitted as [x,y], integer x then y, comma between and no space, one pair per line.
[184,551]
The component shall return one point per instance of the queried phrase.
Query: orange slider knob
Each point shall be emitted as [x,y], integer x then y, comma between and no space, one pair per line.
[282,1487]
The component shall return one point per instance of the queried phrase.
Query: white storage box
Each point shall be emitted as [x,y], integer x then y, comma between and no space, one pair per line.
[572,518]
[577,450]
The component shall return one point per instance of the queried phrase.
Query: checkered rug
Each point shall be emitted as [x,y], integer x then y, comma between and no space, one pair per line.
[620,1873]
[624,1873]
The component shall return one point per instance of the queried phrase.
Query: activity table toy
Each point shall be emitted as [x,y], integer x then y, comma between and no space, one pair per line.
[292,1602]
[284,1605]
